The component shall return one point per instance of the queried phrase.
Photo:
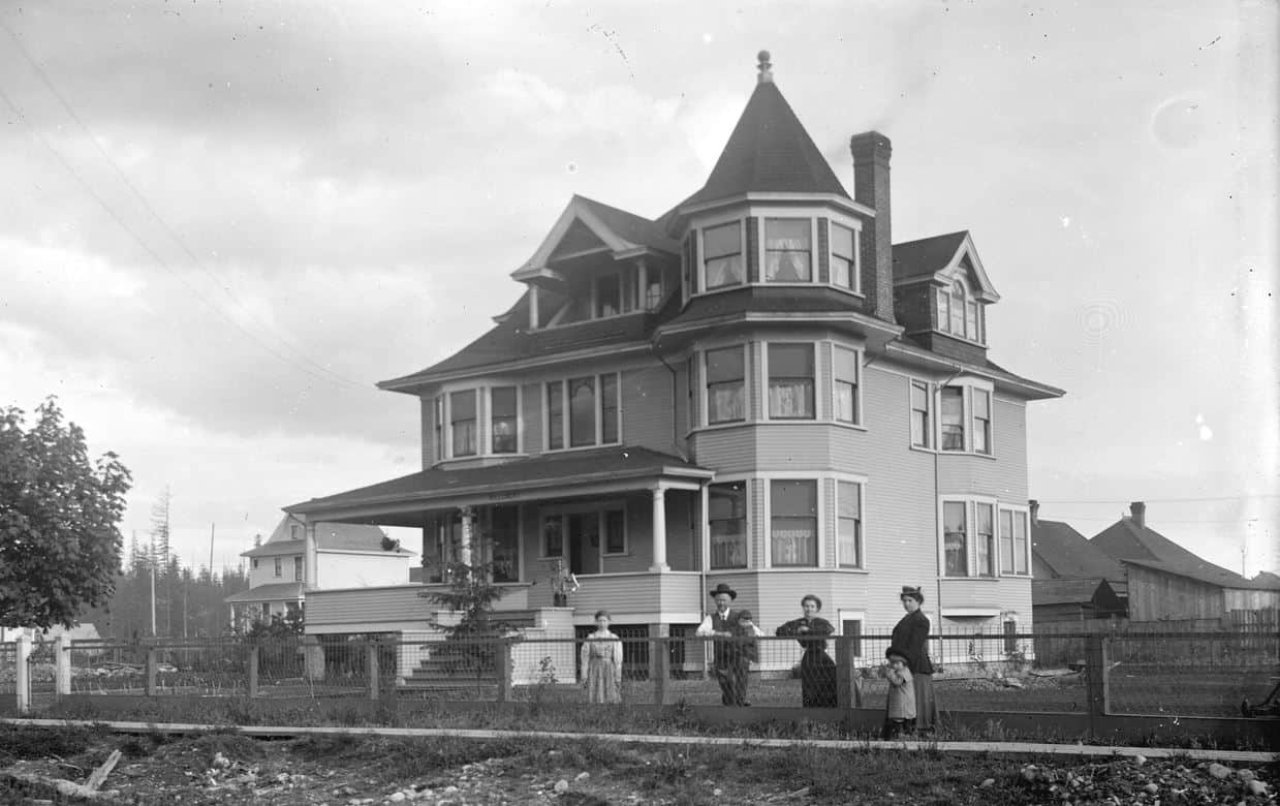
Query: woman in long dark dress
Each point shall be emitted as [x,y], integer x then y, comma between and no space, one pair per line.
[912,635]
[817,669]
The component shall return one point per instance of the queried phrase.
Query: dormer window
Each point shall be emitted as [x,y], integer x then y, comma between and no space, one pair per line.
[788,250]
[608,296]
[959,313]
[723,249]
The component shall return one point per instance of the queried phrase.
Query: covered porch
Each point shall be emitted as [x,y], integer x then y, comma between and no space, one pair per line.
[627,523]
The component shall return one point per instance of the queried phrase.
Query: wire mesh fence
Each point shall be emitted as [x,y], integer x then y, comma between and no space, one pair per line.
[1160,672]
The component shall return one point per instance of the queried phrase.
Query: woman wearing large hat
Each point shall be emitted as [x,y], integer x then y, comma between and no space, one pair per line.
[720,624]
[912,635]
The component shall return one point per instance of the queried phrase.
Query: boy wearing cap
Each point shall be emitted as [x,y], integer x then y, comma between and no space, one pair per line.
[900,708]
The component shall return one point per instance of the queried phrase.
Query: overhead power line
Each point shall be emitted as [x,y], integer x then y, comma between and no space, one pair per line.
[316,369]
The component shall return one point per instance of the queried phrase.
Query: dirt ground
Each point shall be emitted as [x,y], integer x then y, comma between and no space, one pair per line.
[226,768]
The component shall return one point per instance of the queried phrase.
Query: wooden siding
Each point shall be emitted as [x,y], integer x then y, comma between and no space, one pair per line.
[1156,596]
[1005,475]
[351,570]
[642,593]
[1241,599]
[368,605]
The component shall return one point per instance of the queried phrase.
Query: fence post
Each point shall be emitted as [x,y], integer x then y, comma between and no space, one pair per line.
[61,666]
[253,670]
[23,672]
[848,681]
[505,670]
[1097,659]
[661,665]
[151,672]
[371,650]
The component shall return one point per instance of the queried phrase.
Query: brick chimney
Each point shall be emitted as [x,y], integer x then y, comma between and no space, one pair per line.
[1138,511]
[871,151]
[1035,511]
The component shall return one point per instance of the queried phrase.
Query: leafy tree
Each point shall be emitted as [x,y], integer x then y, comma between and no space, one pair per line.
[60,540]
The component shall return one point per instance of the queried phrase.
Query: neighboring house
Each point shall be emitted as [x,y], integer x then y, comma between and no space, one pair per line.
[754,388]
[333,555]
[1167,582]
[1074,580]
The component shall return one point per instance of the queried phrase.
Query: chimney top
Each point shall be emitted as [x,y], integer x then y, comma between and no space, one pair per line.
[1035,511]
[765,67]
[1138,512]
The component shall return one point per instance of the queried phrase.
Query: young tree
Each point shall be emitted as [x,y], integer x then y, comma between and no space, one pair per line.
[470,643]
[60,540]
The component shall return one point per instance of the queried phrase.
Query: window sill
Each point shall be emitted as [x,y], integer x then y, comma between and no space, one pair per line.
[584,447]
[970,454]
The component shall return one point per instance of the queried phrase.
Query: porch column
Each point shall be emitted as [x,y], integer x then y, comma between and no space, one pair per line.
[464,545]
[659,531]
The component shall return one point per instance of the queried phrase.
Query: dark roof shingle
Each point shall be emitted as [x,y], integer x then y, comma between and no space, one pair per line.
[1070,554]
[1125,540]
[925,256]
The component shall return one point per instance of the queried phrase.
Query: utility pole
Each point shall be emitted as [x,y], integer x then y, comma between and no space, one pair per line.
[153,598]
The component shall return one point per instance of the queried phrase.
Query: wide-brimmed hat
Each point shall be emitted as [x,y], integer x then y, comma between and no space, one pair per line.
[897,652]
[914,593]
[723,587]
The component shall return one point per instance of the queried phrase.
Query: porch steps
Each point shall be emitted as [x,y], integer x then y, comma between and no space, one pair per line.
[448,673]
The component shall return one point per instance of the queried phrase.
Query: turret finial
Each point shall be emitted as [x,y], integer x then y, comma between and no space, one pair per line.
[765,67]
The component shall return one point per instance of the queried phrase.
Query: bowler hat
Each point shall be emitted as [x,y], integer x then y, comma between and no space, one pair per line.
[723,587]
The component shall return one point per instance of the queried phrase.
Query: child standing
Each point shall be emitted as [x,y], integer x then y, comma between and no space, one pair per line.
[900,710]
[739,652]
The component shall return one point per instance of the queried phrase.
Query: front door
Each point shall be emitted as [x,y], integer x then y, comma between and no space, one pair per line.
[584,543]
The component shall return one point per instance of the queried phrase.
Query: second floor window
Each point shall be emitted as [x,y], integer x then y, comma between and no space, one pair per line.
[298,573]
[726,386]
[981,421]
[955,539]
[921,422]
[1013,542]
[952,418]
[462,422]
[279,567]
[787,251]
[791,381]
[849,524]
[845,373]
[502,411]
[794,522]
[590,416]
[722,256]
[727,516]
[985,540]
[844,258]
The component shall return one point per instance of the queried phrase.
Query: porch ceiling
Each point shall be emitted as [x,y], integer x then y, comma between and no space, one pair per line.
[402,501]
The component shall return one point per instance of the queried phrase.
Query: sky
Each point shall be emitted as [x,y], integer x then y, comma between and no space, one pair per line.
[221,223]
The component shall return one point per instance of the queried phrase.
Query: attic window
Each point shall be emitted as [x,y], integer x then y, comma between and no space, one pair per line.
[608,297]
[959,313]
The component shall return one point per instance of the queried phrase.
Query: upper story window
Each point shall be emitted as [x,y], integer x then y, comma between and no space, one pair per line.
[844,257]
[849,524]
[955,539]
[298,573]
[584,408]
[727,517]
[279,566]
[723,255]
[464,427]
[608,295]
[726,385]
[791,381]
[788,250]
[921,415]
[959,312]
[845,384]
[965,419]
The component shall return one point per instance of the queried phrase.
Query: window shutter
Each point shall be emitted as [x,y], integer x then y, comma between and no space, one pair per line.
[753,250]
[824,252]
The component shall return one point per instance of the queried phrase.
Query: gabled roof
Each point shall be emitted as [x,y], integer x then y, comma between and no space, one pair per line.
[600,225]
[929,257]
[1070,555]
[1267,581]
[768,151]
[329,537]
[1064,591]
[1128,542]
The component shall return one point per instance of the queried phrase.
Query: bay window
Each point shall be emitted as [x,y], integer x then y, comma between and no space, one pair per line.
[726,385]
[727,517]
[845,380]
[504,432]
[722,256]
[791,381]
[555,416]
[844,257]
[848,524]
[787,250]
[582,411]
[793,523]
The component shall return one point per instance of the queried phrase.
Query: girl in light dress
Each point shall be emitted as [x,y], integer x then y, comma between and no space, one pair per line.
[601,663]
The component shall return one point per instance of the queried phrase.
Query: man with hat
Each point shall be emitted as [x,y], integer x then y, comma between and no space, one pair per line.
[724,625]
